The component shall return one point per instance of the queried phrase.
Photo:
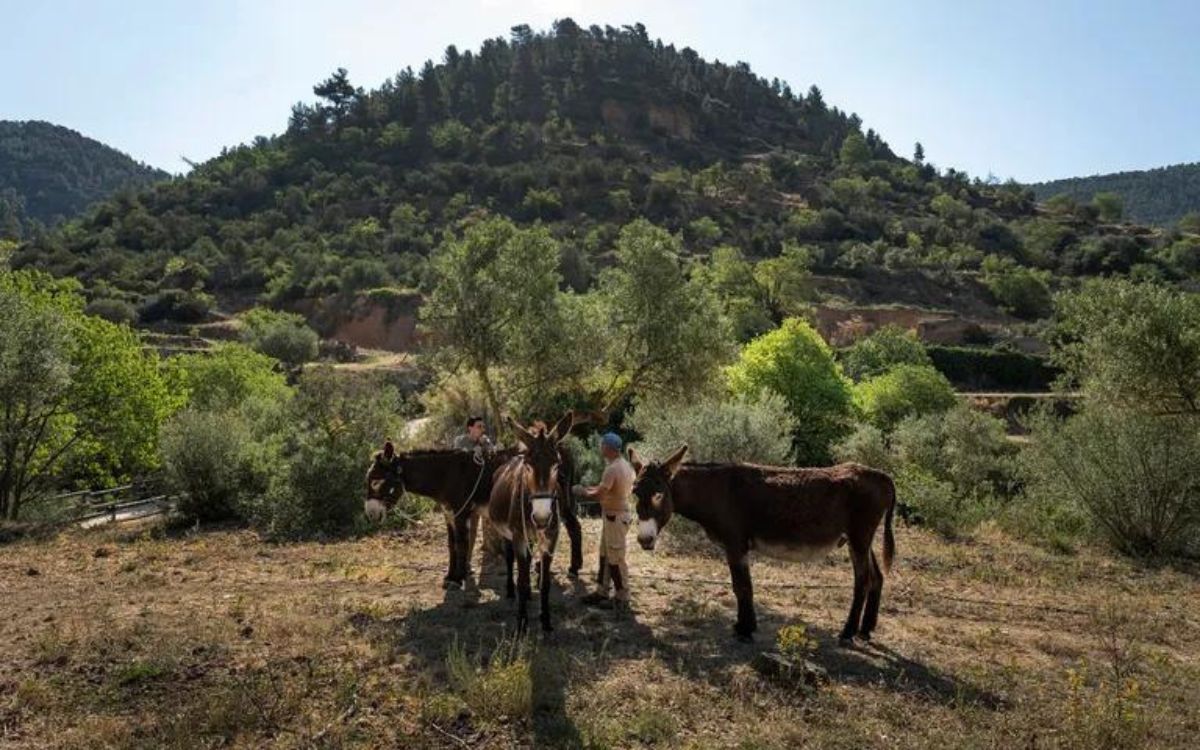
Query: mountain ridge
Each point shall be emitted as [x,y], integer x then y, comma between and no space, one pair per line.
[49,173]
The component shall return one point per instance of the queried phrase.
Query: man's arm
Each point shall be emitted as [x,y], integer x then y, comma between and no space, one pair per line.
[606,484]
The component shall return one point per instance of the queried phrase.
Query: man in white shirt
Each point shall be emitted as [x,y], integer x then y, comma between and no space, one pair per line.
[613,492]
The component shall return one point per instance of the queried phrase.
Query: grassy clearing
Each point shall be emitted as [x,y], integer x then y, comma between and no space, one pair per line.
[220,640]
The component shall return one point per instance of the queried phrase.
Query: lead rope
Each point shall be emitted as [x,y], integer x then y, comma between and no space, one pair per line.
[482,468]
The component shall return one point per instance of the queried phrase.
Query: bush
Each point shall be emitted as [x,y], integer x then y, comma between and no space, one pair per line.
[990,369]
[336,423]
[903,391]
[227,376]
[743,429]
[1135,475]
[796,363]
[867,445]
[205,457]
[935,503]
[177,305]
[965,447]
[113,310]
[284,336]
[879,352]
[1022,291]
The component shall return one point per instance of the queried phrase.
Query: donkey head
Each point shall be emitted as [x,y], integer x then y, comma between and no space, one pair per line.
[652,488]
[539,470]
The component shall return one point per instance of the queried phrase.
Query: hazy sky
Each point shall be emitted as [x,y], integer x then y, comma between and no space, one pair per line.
[1031,90]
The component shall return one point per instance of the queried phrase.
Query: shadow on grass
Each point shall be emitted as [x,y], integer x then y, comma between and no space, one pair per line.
[694,642]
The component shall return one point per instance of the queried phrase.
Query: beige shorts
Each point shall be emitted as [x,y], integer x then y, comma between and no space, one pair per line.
[612,537]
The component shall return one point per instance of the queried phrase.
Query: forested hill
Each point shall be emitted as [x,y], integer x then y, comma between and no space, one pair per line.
[49,173]
[583,130]
[1159,196]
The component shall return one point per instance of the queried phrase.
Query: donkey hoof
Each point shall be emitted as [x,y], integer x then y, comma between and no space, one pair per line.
[573,575]
[450,583]
[864,637]
[547,627]
[743,636]
[846,641]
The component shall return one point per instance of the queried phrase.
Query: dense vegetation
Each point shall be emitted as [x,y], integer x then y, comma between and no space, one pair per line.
[582,130]
[49,173]
[1159,196]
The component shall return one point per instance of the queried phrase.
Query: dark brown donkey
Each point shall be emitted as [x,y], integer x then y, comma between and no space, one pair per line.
[525,507]
[792,514]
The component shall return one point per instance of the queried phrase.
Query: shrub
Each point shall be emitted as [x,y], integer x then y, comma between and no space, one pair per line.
[796,363]
[935,503]
[284,336]
[177,305]
[965,447]
[743,429]
[336,422]
[880,351]
[227,376]
[498,690]
[1136,475]
[205,458]
[113,310]
[903,391]
[867,445]
[1024,292]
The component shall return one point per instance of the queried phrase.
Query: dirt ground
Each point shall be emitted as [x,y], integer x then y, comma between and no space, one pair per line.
[139,638]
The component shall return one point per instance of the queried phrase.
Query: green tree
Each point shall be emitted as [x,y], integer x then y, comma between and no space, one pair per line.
[786,281]
[855,150]
[227,377]
[905,390]
[1109,205]
[882,350]
[659,331]
[1136,345]
[81,399]
[494,300]
[796,363]
[919,154]
[284,336]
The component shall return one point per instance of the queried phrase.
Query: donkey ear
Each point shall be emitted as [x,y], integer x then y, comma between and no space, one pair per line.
[563,428]
[524,437]
[635,460]
[671,465]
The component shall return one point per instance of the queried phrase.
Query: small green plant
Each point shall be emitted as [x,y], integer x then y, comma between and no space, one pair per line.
[653,726]
[500,689]
[795,643]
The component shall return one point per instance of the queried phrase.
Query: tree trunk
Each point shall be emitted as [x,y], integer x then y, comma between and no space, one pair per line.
[493,402]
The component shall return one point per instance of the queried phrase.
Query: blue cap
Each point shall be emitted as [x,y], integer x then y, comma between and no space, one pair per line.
[612,440]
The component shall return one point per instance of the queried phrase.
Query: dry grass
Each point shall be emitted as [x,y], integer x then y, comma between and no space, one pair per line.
[129,639]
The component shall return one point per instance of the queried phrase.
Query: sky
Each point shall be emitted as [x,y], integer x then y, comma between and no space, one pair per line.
[1022,89]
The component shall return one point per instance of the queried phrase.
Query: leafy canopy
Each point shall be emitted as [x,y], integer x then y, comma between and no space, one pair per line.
[796,363]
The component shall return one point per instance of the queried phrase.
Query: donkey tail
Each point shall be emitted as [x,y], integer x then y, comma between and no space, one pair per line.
[889,536]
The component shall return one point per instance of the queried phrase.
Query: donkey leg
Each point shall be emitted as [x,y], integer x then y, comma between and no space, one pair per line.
[472,534]
[544,590]
[575,533]
[874,593]
[462,535]
[523,593]
[862,577]
[743,589]
[448,579]
[510,590]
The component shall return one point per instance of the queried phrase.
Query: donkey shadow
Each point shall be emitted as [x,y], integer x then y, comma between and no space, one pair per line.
[695,645]
[703,648]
